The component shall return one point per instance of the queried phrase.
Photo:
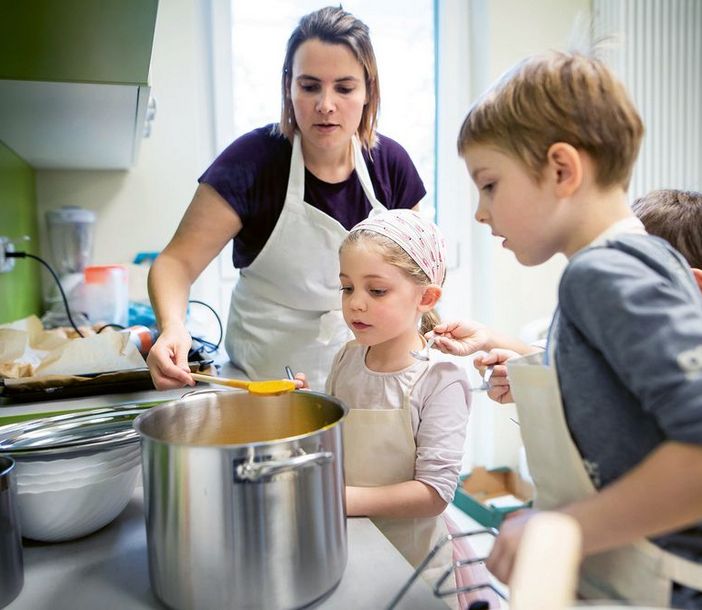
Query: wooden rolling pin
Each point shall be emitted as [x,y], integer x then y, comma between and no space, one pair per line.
[546,567]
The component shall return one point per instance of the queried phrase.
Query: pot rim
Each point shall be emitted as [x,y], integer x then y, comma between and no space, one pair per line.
[252,444]
[7,463]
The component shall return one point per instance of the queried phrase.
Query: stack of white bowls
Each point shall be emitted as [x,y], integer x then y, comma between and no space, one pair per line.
[66,499]
[75,473]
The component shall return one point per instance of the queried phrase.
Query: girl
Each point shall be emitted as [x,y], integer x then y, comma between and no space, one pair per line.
[286,195]
[404,435]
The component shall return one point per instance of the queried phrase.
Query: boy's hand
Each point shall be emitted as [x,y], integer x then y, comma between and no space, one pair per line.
[460,338]
[500,390]
[500,562]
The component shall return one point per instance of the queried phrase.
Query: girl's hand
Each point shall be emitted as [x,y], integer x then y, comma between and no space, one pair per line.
[460,338]
[500,390]
[300,380]
[168,358]
[501,559]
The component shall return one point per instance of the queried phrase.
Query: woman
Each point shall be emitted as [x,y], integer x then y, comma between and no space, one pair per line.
[287,195]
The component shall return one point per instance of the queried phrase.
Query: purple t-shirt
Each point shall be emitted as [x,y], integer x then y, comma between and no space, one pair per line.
[252,175]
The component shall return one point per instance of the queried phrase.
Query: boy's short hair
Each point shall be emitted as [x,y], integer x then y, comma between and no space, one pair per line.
[676,216]
[559,97]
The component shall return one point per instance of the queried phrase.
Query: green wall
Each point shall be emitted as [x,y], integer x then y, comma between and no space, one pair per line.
[20,291]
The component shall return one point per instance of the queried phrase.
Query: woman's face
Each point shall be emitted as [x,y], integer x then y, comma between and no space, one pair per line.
[328,91]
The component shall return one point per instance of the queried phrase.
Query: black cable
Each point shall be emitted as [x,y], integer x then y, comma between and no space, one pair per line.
[219,323]
[208,346]
[117,326]
[58,282]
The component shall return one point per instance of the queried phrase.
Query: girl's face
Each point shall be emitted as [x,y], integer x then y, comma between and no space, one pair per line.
[380,303]
[328,92]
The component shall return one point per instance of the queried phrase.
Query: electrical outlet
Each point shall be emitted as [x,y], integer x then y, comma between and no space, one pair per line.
[6,245]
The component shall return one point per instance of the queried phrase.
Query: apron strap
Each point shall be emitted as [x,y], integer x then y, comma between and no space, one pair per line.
[363,175]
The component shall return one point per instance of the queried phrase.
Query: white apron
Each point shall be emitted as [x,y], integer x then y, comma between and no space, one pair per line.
[286,305]
[641,573]
[379,449]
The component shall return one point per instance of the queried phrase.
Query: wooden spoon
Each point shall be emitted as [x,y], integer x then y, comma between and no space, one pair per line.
[264,388]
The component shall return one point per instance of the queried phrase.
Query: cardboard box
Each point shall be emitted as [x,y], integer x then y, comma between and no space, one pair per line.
[503,487]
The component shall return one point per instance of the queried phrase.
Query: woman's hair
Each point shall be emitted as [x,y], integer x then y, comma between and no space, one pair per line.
[333,25]
[394,255]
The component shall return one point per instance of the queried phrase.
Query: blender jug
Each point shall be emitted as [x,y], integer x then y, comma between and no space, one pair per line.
[70,230]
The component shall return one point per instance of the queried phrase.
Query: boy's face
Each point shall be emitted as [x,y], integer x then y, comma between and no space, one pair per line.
[518,210]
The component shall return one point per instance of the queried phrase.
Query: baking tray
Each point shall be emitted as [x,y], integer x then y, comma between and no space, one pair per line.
[54,387]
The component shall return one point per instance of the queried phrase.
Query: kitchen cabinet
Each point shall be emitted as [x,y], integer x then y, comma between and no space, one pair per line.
[74,81]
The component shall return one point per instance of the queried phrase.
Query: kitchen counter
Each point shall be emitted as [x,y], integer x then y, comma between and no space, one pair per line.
[109,569]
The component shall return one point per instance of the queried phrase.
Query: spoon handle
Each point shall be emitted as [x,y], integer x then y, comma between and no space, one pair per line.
[485,385]
[232,383]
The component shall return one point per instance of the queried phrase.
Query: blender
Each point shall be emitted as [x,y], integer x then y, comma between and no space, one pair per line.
[71,231]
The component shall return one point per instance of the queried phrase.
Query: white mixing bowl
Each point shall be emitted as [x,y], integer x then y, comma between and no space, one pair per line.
[72,512]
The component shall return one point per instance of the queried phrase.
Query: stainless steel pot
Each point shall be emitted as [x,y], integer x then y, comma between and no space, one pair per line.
[244,499]
[11,565]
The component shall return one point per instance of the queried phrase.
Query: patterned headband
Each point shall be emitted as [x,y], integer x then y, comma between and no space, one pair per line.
[417,236]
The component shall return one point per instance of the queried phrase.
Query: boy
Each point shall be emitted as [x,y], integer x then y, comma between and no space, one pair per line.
[614,438]
[674,215]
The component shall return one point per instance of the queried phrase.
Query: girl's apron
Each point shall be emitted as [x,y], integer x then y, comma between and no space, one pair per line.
[286,305]
[379,449]
[640,572]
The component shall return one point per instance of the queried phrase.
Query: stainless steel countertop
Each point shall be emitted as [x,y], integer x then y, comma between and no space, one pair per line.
[108,570]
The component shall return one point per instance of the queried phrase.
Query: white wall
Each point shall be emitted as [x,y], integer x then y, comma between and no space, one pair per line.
[138,210]
[504,294]
[523,294]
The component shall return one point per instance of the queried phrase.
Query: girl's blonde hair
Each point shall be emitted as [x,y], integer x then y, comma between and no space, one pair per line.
[333,25]
[394,255]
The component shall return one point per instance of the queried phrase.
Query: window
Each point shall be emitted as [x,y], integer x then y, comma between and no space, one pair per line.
[402,32]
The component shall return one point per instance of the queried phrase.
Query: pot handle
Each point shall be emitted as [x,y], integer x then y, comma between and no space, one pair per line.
[255,471]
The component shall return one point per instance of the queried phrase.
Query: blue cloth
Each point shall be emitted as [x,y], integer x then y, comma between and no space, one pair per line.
[251,174]
[628,328]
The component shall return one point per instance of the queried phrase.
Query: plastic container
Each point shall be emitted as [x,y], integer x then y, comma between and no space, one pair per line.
[143,337]
[106,294]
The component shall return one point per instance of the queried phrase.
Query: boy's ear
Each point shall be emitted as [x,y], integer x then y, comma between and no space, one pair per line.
[697,273]
[566,166]
[430,297]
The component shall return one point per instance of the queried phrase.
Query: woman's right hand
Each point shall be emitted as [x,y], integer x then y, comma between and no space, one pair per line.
[168,358]
[500,390]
